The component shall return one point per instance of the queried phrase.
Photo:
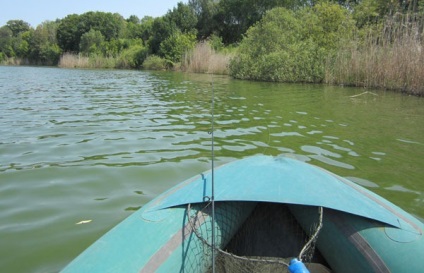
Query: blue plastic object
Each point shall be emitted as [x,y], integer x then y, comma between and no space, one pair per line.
[297,266]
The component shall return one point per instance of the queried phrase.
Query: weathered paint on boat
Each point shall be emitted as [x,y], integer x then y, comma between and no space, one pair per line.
[362,231]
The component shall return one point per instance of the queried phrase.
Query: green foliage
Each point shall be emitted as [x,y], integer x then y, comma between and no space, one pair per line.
[69,34]
[205,11]
[173,48]
[231,18]
[292,46]
[133,30]
[183,17]
[110,25]
[43,47]
[133,19]
[234,17]
[173,34]
[133,57]
[72,27]
[17,26]
[21,45]
[6,42]
[90,42]
[215,42]
[162,28]
[330,24]
[146,26]
[367,12]
[114,47]
[49,54]
[154,62]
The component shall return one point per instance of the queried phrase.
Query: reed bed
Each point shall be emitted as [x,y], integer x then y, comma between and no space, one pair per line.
[15,61]
[392,59]
[204,59]
[70,60]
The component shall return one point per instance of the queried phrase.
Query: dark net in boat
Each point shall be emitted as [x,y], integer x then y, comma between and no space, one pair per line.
[249,237]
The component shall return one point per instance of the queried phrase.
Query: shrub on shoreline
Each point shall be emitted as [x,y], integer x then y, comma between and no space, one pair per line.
[154,62]
[292,46]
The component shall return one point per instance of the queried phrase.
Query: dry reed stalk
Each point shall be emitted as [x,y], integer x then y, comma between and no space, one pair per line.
[15,61]
[69,60]
[204,59]
[392,60]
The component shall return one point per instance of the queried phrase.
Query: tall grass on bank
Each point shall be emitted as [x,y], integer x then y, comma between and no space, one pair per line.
[392,59]
[14,61]
[69,60]
[204,59]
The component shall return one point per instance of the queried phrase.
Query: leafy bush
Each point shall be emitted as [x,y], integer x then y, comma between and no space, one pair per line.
[49,54]
[292,46]
[174,47]
[216,42]
[154,62]
[133,57]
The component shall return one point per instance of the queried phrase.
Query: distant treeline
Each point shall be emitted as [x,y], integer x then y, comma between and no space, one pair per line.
[374,43]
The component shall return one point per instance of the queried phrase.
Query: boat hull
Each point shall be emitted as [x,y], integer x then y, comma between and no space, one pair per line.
[362,232]
[351,244]
[163,240]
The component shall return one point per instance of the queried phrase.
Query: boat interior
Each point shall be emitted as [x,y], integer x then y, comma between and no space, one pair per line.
[267,240]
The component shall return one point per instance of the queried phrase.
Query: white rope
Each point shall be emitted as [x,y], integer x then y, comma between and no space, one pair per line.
[314,236]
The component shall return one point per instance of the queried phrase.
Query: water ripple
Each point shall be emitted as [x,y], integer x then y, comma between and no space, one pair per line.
[98,144]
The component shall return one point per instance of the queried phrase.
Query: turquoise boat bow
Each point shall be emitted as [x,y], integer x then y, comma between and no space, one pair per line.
[362,232]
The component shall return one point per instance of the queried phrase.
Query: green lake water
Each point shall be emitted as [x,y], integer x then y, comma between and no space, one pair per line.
[95,145]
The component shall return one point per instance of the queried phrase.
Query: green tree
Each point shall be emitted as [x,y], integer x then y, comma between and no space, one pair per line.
[133,28]
[367,12]
[183,16]
[17,26]
[328,24]
[139,28]
[162,28]
[146,28]
[73,26]
[133,19]
[6,41]
[91,41]
[234,17]
[176,45]
[69,33]
[21,44]
[110,25]
[43,44]
[13,39]
[205,11]
[114,47]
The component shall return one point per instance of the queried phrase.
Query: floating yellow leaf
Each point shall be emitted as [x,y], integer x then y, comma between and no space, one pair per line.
[83,222]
